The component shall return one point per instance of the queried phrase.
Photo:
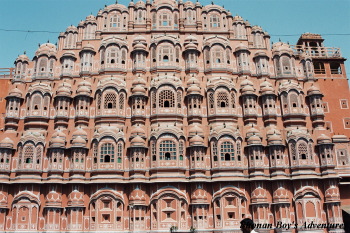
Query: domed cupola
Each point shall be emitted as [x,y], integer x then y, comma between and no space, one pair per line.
[79,142]
[138,197]
[193,87]
[324,139]
[16,93]
[266,88]
[138,141]
[194,130]
[6,143]
[21,64]
[84,89]
[3,201]
[139,44]
[90,19]
[196,141]
[72,29]
[76,199]
[88,48]
[47,49]
[58,140]
[53,199]
[137,130]
[64,90]
[191,43]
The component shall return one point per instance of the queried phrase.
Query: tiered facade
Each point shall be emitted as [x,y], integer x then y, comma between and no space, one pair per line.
[173,114]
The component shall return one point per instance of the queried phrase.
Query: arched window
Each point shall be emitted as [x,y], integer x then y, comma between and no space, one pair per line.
[166,99]
[112,53]
[121,100]
[302,150]
[107,153]
[227,151]
[164,19]
[217,54]
[222,100]
[119,152]
[43,64]
[286,64]
[214,21]
[114,21]
[167,150]
[294,100]
[166,53]
[36,101]
[28,154]
[211,100]
[110,101]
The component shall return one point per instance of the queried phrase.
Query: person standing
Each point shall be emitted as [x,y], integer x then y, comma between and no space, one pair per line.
[247,226]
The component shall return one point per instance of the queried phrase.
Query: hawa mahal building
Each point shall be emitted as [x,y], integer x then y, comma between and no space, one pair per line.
[169,115]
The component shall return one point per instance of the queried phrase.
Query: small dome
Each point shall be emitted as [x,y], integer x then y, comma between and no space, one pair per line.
[323,139]
[137,130]
[332,194]
[139,81]
[137,141]
[195,130]
[79,132]
[193,89]
[3,200]
[90,19]
[281,195]
[199,196]
[138,90]
[137,196]
[259,195]
[246,82]
[22,58]
[139,46]
[252,131]
[280,48]
[47,49]
[72,28]
[79,141]
[140,4]
[237,18]
[58,133]
[68,54]
[53,199]
[191,39]
[256,28]
[274,139]
[196,141]
[313,90]
[6,143]
[57,142]
[248,90]
[254,140]
[267,90]
[64,89]
[140,38]
[75,199]
[193,81]
[84,90]
[241,47]
[15,92]
[88,47]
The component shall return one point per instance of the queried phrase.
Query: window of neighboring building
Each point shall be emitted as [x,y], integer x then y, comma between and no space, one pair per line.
[347,123]
[344,103]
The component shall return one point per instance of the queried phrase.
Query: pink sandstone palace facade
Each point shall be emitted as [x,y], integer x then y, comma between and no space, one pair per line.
[172,116]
